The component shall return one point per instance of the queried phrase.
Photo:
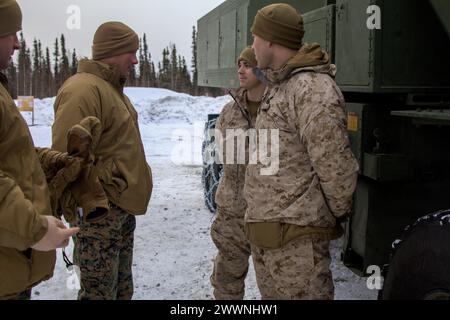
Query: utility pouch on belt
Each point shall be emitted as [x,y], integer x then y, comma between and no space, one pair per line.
[275,235]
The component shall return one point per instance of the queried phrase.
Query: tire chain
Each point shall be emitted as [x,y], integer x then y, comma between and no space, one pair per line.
[211,173]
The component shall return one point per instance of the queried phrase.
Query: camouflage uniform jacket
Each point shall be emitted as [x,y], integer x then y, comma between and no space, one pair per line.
[317,171]
[236,116]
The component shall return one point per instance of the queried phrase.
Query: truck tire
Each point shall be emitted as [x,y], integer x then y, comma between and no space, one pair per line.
[419,269]
[210,183]
[211,172]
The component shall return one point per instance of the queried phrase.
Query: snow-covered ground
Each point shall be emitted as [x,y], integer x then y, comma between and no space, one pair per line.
[173,254]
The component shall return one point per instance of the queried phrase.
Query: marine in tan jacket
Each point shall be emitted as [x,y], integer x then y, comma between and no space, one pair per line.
[104,249]
[28,233]
[231,262]
[294,212]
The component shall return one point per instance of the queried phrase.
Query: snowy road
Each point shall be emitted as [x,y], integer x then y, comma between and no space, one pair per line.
[173,255]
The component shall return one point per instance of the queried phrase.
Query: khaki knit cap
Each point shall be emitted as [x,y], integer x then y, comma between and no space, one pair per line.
[10,17]
[112,39]
[279,23]
[248,55]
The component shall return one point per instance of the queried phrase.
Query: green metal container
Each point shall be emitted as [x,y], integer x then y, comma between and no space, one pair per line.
[225,32]
[396,82]
[408,54]
[320,27]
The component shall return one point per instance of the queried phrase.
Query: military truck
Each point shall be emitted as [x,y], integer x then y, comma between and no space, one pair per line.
[393,62]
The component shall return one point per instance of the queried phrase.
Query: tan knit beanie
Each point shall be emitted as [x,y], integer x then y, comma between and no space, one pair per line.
[248,55]
[279,23]
[112,39]
[10,17]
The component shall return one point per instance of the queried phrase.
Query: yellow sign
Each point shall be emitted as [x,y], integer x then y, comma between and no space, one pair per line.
[352,122]
[26,103]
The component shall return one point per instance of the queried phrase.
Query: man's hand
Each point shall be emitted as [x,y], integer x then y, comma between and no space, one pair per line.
[57,235]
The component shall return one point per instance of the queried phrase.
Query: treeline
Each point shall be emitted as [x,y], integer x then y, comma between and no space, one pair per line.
[35,73]
[40,73]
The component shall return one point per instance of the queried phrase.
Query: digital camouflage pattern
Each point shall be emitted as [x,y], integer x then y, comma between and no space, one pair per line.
[227,232]
[231,263]
[298,271]
[104,253]
[317,170]
[313,187]
[235,115]
[104,249]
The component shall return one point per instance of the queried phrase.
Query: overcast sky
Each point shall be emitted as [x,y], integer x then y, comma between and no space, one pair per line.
[164,21]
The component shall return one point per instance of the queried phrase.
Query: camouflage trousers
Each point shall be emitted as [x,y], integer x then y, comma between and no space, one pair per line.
[231,262]
[298,271]
[104,253]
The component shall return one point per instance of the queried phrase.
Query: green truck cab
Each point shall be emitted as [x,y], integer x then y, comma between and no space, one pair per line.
[393,62]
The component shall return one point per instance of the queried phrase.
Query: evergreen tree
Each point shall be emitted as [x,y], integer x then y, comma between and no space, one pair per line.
[38,84]
[57,78]
[74,65]
[36,71]
[42,88]
[28,74]
[132,78]
[187,84]
[151,72]
[164,74]
[158,79]
[24,66]
[181,81]
[173,68]
[194,63]
[141,65]
[48,76]
[11,74]
[153,75]
[64,68]
[146,63]
[148,78]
